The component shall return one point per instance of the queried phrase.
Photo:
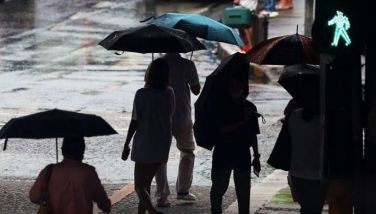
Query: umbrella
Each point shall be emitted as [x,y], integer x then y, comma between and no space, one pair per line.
[199,26]
[54,124]
[299,79]
[213,92]
[151,39]
[284,50]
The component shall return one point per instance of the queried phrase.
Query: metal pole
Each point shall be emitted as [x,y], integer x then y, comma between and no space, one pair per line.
[57,151]
[370,134]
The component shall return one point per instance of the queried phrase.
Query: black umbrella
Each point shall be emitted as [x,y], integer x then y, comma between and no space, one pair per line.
[214,92]
[54,124]
[299,79]
[152,39]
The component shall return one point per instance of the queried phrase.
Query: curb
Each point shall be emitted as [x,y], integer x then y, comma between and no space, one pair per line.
[263,192]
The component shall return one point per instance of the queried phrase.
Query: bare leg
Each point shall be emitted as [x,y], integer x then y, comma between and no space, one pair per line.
[143,176]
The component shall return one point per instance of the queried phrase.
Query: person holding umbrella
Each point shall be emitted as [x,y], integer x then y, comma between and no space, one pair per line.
[237,125]
[183,80]
[298,148]
[70,186]
[153,108]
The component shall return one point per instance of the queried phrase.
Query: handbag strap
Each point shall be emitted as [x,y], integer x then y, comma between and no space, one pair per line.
[49,169]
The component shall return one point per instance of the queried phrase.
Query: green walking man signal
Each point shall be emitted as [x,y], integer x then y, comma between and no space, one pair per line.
[342,25]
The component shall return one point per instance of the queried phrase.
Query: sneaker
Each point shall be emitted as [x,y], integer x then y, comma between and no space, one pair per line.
[270,14]
[273,14]
[186,197]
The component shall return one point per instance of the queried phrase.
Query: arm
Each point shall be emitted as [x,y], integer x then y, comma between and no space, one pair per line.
[194,81]
[256,157]
[131,130]
[99,195]
[37,190]
[195,89]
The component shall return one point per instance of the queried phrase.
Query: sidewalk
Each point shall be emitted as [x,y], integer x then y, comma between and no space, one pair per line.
[271,195]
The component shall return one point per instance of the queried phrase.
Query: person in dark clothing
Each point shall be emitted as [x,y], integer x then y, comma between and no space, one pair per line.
[238,128]
[306,153]
[72,186]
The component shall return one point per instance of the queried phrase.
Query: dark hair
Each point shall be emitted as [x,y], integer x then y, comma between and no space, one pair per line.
[73,147]
[158,74]
[239,73]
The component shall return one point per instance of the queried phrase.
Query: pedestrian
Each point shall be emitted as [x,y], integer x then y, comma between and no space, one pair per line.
[184,80]
[302,132]
[70,187]
[291,106]
[151,123]
[270,8]
[246,33]
[238,128]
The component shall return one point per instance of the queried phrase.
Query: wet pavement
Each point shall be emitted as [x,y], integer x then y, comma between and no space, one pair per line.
[49,58]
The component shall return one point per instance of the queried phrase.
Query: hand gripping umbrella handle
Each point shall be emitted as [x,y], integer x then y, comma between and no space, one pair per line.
[260,115]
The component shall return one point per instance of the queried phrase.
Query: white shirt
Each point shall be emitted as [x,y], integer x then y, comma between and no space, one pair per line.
[183,73]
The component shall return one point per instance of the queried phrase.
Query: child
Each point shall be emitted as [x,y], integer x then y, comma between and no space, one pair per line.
[238,127]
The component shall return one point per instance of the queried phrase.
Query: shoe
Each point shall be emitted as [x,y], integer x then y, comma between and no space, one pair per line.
[163,203]
[268,13]
[244,49]
[186,197]
[273,14]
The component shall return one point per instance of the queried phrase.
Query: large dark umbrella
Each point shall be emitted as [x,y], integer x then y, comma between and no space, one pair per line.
[284,50]
[299,79]
[214,92]
[151,39]
[55,124]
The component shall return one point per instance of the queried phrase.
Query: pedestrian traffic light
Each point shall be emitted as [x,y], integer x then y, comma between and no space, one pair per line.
[342,25]
[339,26]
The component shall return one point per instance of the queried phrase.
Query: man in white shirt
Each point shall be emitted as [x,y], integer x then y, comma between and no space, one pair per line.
[184,80]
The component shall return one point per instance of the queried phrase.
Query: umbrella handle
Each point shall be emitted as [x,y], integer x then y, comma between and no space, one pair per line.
[57,151]
[147,19]
[5,144]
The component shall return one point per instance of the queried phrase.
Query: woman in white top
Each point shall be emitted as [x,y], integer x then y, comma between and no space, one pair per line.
[152,113]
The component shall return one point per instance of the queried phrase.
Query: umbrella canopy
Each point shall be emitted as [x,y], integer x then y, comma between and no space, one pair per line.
[151,39]
[199,26]
[213,93]
[56,123]
[299,79]
[284,50]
